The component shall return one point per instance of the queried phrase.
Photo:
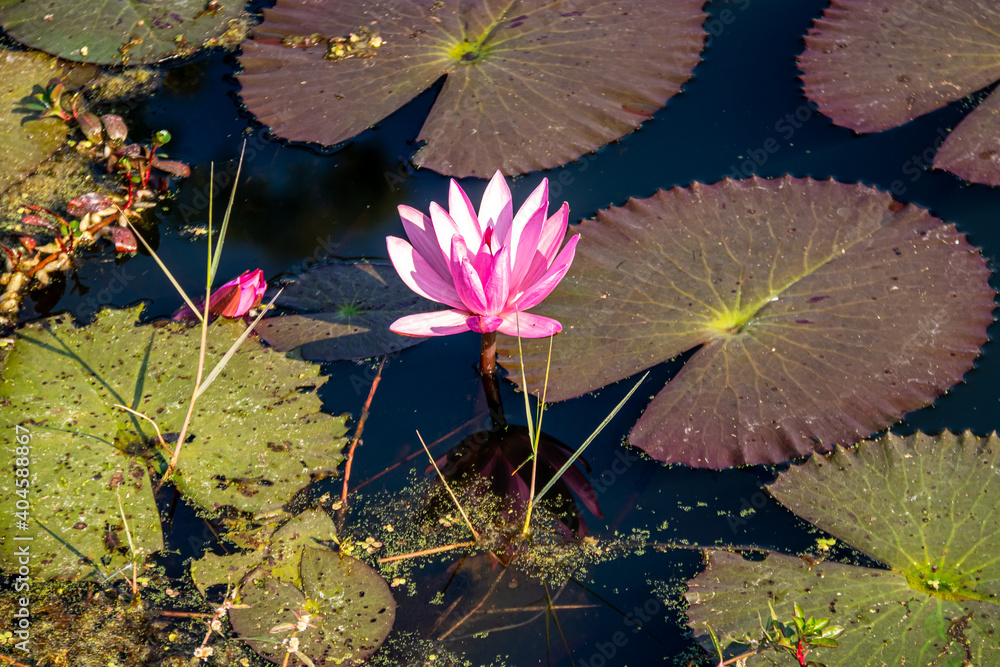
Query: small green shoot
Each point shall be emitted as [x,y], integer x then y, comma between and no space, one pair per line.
[797,638]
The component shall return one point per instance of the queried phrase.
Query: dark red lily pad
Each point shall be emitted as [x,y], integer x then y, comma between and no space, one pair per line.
[345,309]
[118,31]
[875,64]
[530,85]
[822,312]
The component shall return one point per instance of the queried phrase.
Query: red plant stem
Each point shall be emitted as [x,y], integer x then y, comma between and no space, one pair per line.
[131,190]
[488,355]
[149,166]
[359,430]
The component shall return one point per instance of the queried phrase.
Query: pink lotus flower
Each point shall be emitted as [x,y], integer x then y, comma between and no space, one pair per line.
[234,299]
[489,267]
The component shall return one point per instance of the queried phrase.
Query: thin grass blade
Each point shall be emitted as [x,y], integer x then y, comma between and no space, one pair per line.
[219,367]
[166,272]
[225,219]
[572,459]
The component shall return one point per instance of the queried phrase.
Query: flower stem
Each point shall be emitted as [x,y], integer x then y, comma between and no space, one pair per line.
[488,356]
[491,387]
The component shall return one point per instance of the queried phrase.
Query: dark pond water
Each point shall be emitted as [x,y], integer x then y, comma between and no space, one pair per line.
[295,204]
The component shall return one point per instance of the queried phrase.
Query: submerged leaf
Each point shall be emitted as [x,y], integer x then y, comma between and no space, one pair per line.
[821,312]
[257,435]
[117,31]
[530,84]
[345,309]
[875,64]
[928,508]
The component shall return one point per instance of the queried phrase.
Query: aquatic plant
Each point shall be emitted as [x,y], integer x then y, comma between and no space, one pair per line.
[489,267]
[816,313]
[26,142]
[145,178]
[497,460]
[528,85]
[796,638]
[289,573]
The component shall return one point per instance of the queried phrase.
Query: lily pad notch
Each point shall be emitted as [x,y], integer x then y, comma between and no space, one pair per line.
[822,312]
[529,85]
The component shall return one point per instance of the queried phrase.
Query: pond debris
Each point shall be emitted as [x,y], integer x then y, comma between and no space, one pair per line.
[84,624]
[361,43]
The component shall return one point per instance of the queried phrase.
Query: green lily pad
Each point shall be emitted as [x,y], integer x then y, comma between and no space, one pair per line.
[257,435]
[927,507]
[529,85]
[25,139]
[345,309]
[279,552]
[875,64]
[68,517]
[821,312]
[117,31]
[349,604]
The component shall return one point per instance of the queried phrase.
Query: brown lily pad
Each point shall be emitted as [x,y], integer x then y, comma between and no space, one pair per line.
[972,150]
[529,85]
[821,311]
[874,64]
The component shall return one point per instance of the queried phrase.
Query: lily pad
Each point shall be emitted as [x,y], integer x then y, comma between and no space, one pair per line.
[25,140]
[118,31]
[257,435]
[925,506]
[67,517]
[345,309]
[972,150]
[875,64]
[821,312]
[529,85]
[278,552]
[348,603]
